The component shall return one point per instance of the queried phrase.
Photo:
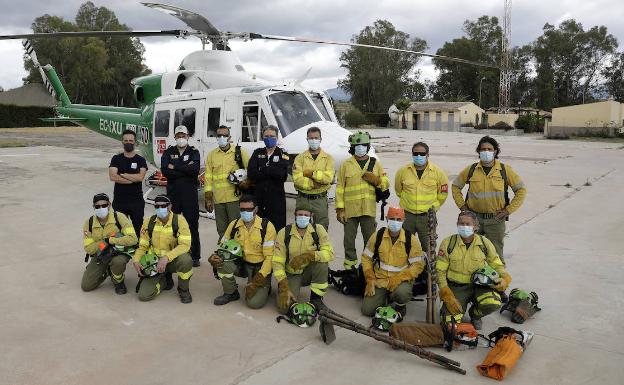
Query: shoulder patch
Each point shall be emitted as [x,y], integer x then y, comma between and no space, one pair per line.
[441,253]
[444,188]
[285,157]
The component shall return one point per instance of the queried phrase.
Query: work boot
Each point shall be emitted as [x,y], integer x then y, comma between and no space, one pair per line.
[317,301]
[226,298]
[504,297]
[185,296]
[477,323]
[196,263]
[120,288]
[168,281]
[401,309]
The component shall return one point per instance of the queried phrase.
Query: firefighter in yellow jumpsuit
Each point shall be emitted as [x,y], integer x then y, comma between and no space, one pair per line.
[302,254]
[167,235]
[355,194]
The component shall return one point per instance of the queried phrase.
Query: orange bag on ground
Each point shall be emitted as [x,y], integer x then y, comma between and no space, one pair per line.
[510,345]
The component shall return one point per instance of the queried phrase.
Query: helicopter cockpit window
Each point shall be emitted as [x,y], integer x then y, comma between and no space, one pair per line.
[249,126]
[185,117]
[318,102]
[161,125]
[292,111]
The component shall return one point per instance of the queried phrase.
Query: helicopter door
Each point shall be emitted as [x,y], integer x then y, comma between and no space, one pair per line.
[162,120]
[252,120]
[190,114]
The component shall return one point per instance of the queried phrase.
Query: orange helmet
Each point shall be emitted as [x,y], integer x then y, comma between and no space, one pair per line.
[396,212]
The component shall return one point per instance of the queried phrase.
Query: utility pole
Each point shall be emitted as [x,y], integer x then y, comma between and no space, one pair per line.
[480,83]
[505,74]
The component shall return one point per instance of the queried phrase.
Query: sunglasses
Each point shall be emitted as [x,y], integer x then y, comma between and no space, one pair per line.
[100,206]
[162,206]
[247,209]
[223,136]
[419,153]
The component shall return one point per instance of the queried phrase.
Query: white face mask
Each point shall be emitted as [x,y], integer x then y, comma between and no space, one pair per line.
[222,141]
[465,231]
[395,226]
[486,156]
[314,144]
[361,150]
[181,142]
[101,212]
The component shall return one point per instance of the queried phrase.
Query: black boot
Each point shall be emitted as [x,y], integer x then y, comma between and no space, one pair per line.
[504,297]
[401,309]
[185,296]
[317,301]
[226,298]
[120,288]
[196,263]
[168,281]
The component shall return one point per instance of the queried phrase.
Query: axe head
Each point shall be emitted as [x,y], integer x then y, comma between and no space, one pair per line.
[328,335]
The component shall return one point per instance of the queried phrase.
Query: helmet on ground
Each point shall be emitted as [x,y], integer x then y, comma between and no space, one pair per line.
[359,138]
[519,295]
[384,317]
[302,314]
[148,264]
[237,176]
[485,276]
[230,250]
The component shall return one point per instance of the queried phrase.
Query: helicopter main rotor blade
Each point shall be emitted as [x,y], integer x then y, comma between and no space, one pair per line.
[190,18]
[431,55]
[174,32]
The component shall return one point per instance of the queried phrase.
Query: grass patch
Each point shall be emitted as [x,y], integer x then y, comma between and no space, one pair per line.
[44,130]
[8,143]
[619,138]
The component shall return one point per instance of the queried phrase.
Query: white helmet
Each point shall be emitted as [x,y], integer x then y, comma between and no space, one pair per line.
[237,176]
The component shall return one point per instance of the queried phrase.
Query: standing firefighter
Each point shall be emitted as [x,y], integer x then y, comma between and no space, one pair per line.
[393,258]
[302,254]
[221,193]
[488,182]
[245,250]
[469,272]
[313,173]
[107,235]
[166,238]
[356,202]
[180,164]
[268,169]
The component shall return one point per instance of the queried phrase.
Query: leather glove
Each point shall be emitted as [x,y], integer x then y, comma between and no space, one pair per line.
[302,260]
[503,284]
[245,185]
[369,276]
[397,279]
[215,261]
[341,216]
[284,296]
[308,173]
[452,305]
[208,203]
[371,178]
[258,281]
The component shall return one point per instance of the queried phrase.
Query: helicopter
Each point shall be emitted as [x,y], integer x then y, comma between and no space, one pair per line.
[210,88]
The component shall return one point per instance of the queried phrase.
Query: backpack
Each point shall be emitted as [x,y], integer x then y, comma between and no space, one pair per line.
[503,174]
[152,223]
[287,231]
[380,195]
[238,157]
[263,229]
[379,238]
[348,282]
[453,242]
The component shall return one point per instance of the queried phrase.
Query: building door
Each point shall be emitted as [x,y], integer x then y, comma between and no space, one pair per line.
[426,121]
[415,118]
[451,121]
[438,121]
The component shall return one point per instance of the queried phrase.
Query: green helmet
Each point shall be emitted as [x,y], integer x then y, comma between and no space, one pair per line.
[359,138]
[519,295]
[148,264]
[485,276]
[302,314]
[384,317]
[230,250]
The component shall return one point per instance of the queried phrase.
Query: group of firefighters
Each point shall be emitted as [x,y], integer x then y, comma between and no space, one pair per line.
[247,195]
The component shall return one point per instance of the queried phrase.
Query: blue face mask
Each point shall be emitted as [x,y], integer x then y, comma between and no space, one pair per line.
[247,216]
[222,141]
[419,160]
[486,156]
[314,144]
[162,212]
[395,226]
[270,141]
[465,231]
[101,212]
[361,150]
[302,221]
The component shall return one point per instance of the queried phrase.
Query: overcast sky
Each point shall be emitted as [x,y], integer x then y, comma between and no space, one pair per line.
[435,21]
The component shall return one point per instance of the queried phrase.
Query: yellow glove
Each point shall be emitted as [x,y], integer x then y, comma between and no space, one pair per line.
[452,305]
[302,260]
[503,284]
[397,279]
[371,178]
[284,296]
[208,203]
[369,276]
[258,281]
[341,216]
[308,173]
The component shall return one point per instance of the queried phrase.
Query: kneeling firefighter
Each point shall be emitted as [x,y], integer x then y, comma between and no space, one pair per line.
[302,254]
[469,272]
[255,238]
[392,259]
[167,236]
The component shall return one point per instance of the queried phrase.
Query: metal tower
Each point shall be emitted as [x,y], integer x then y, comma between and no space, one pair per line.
[505,74]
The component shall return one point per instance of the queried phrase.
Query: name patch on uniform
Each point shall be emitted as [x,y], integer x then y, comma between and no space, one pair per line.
[133,166]
[275,158]
[186,157]
[444,188]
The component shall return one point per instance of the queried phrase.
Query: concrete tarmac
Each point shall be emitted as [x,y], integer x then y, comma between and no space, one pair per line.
[565,243]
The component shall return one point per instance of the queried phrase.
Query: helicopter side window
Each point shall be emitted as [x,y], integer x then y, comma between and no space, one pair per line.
[318,102]
[214,117]
[249,125]
[185,117]
[161,126]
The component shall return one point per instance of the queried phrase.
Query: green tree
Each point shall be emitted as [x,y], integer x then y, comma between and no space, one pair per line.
[613,74]
[93,70]
[403,105]
[376,78]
